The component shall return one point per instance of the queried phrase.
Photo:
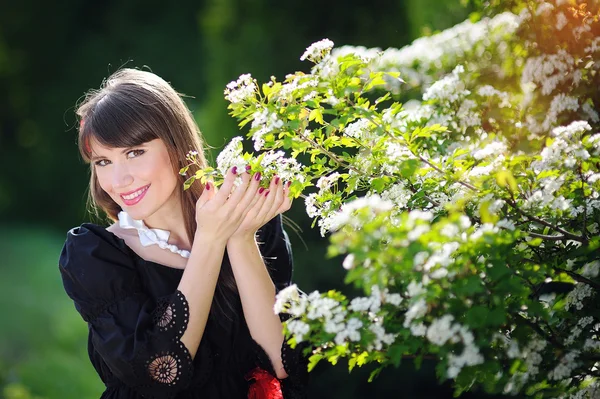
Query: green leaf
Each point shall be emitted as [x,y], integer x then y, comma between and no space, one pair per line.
[316,115]
[505,178]
[408,168]
[476,316]
[313,360]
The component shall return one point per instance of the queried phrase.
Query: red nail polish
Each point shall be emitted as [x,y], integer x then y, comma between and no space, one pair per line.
[257,176]
[207,186]
[234,170]
[289,183]
[267,193]
[277,180]
[248,167]
[261,190]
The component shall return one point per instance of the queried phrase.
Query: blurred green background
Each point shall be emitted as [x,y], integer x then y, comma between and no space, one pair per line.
[51,53]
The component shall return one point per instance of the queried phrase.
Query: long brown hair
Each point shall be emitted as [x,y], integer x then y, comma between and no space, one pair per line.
[133,107]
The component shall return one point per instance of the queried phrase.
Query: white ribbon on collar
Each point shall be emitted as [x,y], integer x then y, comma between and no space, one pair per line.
[150,236]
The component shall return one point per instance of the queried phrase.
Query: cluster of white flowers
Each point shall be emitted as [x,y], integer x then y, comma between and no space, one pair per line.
[333,316]
[373,302]
[449,89]
[263,123]
[359,129]
[560,103]
[442,330]
[419,61]
[317,51]
[491,92]
[532,355]
[241,90]
[232,156]
[326,182]
[440,259]
[298,328]
[494,149]
[549,71]
[381,337]
[566,146]
[591,269]
[287,169]
[591,391]
[398,194]
[272,163]
[470,355]
[566,366]
[374,205]
[297,84]
[577,295]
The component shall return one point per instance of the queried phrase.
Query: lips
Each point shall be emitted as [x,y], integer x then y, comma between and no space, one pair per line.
[133,197]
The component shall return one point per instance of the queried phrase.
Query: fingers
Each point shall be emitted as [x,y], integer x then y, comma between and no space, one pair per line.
[226,187]
[248,200]
[239,191]
[207,194]
[274,200]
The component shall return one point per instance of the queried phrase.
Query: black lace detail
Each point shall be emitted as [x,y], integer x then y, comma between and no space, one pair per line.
[172,314]
[295,364]
[165,362]
[165,368]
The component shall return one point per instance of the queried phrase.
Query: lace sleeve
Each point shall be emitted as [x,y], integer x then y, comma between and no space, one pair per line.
[140,343]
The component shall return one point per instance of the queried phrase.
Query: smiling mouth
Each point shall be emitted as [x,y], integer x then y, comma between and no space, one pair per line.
[134,197]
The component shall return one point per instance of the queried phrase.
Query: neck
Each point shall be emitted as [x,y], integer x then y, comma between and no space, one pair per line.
[170,217]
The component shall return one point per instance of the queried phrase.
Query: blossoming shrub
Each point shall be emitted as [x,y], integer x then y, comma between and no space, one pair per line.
[459,177]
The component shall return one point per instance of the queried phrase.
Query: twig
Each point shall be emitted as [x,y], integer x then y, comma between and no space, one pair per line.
[583,181]
[547,237]
[348,166]
[567,234]
[579,277]
[539,330]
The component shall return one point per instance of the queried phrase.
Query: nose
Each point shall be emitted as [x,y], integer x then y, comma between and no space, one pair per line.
[121,177]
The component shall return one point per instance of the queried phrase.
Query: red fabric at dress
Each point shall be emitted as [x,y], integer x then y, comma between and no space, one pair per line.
[265,386]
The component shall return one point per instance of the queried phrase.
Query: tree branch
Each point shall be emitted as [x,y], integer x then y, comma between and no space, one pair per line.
[567,234]
[579,278]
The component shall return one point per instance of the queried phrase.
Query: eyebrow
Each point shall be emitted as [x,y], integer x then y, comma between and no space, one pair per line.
[95,158]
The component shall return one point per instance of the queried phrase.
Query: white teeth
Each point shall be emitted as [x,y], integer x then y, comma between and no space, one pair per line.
[134,195]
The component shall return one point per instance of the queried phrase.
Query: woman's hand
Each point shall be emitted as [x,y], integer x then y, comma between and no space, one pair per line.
[269,203]
[219,212]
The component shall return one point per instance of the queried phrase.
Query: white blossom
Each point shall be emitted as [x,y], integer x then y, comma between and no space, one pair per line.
[566,366]
[591,269]
[240,90]
[231,156]
[263,123]
[317,51]
[577,295]
[298,328]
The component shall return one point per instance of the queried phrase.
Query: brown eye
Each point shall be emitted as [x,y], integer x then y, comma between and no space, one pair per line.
[135,153]
[102,162]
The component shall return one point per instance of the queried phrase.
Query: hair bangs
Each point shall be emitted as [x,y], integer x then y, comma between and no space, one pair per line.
[116,122]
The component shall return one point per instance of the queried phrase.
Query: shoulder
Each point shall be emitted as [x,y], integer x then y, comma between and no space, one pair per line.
[92,254]
[92,240]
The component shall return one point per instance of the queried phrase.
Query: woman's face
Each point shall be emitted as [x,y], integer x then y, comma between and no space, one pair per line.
[139,179]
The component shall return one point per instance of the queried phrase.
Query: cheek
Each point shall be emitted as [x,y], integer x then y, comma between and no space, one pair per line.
[103,179]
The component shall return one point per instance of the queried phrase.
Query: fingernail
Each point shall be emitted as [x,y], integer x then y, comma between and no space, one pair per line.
[267,193]
[207,186]
[289,183]
[277,180]
[257,176]
[234,170]
[261,190]
[248,167]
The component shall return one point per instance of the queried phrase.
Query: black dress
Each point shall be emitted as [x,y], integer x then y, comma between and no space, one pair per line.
[136,317]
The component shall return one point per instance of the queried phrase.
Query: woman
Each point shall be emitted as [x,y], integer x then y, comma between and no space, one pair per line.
[178,292]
